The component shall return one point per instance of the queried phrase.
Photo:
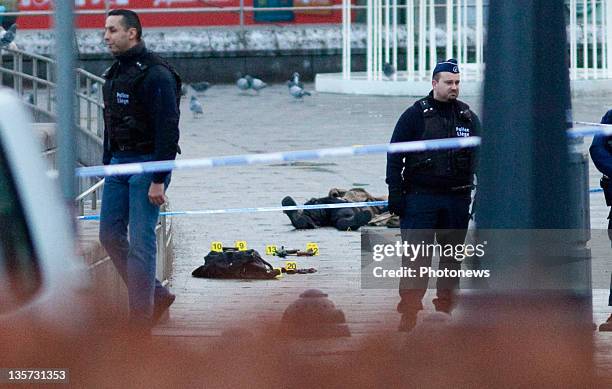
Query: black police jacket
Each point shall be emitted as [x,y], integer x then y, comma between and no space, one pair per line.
[435,171]
[601,153]
[141,107]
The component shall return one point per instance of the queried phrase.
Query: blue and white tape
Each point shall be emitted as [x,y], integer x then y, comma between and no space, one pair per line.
[266,158]
[260,209]
[589,129]
[303,155]
[274,209]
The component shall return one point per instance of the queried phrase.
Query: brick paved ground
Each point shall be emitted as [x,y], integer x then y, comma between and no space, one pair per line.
[234,123]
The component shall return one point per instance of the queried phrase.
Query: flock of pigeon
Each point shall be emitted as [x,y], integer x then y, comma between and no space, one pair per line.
[244,83]
[295,86]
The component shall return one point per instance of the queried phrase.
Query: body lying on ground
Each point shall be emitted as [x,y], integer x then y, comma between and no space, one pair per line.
[344,219]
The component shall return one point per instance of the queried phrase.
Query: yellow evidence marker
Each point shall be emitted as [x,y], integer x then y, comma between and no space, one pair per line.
[241,245]
[270,249]
[313,247]
[216,246]
[291,265]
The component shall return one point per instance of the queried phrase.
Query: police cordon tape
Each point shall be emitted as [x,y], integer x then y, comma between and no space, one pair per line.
[302,155]
[589,130]
[274,209]
[261,209]
[266,158]
[249,159]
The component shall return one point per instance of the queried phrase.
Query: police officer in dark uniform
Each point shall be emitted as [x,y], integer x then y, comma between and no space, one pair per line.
[141,116]
[431,190]
[601,153]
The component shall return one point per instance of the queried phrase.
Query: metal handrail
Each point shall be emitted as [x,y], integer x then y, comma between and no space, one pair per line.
[31,55]
[163,231]
[89,191]
[93,105]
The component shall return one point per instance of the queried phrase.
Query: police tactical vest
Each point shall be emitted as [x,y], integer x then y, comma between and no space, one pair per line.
[126,116]
[458,164]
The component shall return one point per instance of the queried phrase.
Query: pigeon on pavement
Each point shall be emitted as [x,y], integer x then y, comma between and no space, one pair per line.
[200,87]
[256,84]
[298,92]
[195,106]
[243,83]
[295,80]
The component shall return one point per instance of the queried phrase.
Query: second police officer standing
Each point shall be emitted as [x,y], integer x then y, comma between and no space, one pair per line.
[601,153]
[141,117]
[431,190]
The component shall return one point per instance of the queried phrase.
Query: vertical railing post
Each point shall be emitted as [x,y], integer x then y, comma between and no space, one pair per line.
[49,87]
[242,16]
[449,29]
[422,38]
[595,40]
[369,40]
[20,74]
[410,70]
[479,35]
[34,81]
[88,102]
[608,32]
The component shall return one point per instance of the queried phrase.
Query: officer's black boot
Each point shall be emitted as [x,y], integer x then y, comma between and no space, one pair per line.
[298,219]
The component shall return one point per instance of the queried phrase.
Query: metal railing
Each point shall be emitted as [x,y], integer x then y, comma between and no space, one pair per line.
[36,85]
[92,194]
[163,230]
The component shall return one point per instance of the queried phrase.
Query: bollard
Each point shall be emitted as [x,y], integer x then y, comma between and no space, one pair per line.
[313,315]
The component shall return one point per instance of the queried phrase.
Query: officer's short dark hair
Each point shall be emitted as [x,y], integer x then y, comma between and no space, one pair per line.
[130,20]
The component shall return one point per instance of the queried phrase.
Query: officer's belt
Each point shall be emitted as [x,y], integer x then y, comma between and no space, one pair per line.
[464,189]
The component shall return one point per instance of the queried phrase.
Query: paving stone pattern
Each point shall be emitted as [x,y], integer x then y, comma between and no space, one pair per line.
[237,123]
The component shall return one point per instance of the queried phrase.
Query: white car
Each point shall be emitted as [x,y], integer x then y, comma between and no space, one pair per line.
[40,274]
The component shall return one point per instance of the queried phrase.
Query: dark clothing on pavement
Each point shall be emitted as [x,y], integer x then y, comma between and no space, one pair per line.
[341,218]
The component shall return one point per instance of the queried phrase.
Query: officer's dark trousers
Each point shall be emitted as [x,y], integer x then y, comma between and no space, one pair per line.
[426,216]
